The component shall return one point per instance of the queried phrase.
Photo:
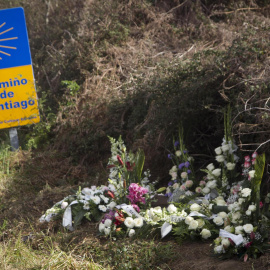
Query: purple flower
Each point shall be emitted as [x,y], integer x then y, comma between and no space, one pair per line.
[188,171]
[181,166]
[185,151]
[175,181]
[176,143]
[187,164]
[170,156]
[169,194]
[170,183]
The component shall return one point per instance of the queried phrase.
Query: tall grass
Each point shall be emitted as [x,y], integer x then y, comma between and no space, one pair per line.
[5,155]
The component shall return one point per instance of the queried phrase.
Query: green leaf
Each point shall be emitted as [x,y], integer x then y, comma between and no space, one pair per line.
[140,158]
[161,189]
[78,217]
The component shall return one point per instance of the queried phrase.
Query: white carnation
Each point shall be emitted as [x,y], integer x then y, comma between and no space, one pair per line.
[252,208]
[246,192]
[172,209]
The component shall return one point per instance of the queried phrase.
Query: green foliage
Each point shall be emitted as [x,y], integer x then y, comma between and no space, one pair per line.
[72,86]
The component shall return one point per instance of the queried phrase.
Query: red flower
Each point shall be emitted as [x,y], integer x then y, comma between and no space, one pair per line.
[110,194]
[252,236]
[129,166]
[120,160]
[248,244]
[261,204]
[231,241]
[110,166]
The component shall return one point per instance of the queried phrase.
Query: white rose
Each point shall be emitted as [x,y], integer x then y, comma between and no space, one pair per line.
[138,222]
[219,249]
[193,225]
[248,228]
[107,230]
[210,167]
[201,223]
[230,166]
[129,222]
[241,200]
[248,213]
[102,208]
[195,207]
[211,184]
[222,214]
[251,173]
[220,158]
[174,168]
[205,234]
[216,172]
[238,229]
[188,220]
[131,232]
[229,229]
[64,205]
[108,222]
[178,153]
[101,227]
[174,175]
[218,151]
[235,217]
[252,208]
[225,147]
[225,242]
[172,209]
[205,190]
[246,192]
[175,185]
[218,221]
[111,205]
[184,175]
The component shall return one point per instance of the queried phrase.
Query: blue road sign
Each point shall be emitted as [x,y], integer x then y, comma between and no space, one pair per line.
[14,45]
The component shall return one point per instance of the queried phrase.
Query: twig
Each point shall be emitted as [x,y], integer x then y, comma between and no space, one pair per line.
[176,7]
[254,108]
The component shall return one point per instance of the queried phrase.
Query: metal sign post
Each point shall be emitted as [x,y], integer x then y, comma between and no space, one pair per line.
[14,140]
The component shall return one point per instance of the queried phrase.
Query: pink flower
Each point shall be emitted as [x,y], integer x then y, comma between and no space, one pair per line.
[182,187]
[136,207]
[253,161]
[261,204]
[255,154]
[202,183]
[247,164]
[247,158]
